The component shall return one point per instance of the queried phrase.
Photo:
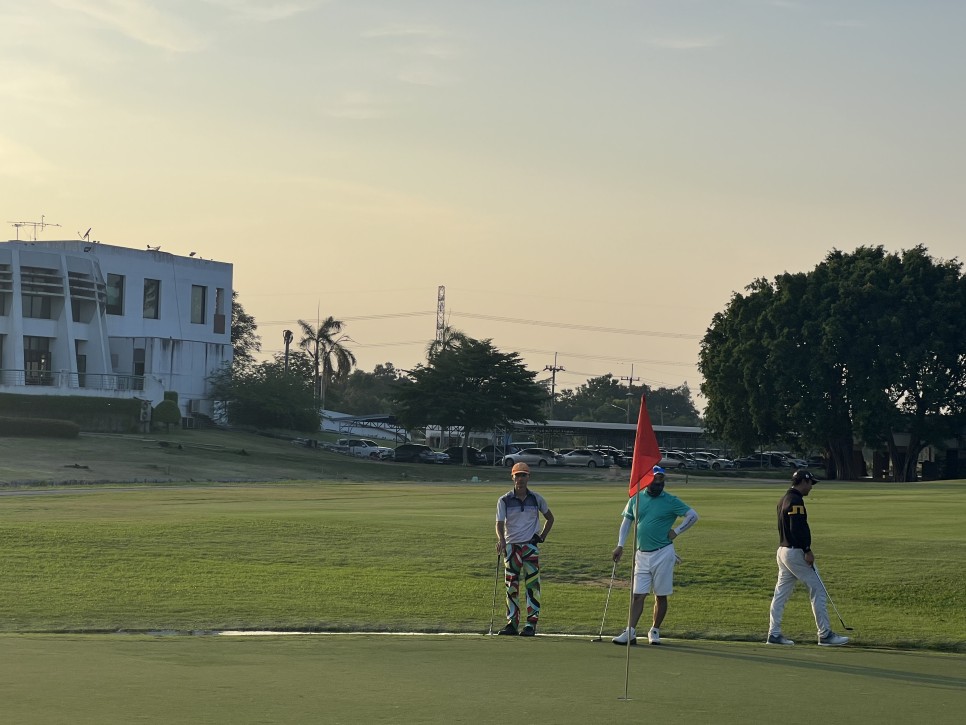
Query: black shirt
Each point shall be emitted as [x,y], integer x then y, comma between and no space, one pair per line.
[793,528]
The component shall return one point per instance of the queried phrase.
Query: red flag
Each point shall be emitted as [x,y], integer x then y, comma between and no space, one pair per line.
[646,453]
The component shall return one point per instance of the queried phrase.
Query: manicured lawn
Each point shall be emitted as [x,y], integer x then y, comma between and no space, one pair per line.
[420,557]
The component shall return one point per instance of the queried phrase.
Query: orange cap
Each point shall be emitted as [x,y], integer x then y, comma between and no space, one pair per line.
[519,468]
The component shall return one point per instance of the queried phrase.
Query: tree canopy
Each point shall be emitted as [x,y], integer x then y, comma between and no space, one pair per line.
[245,341]
[866,346]
[606,400]
[474,386]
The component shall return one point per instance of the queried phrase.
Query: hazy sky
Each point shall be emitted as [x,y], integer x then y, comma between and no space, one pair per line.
[592,178]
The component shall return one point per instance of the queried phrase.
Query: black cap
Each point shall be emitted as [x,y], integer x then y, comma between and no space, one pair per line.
[802,475]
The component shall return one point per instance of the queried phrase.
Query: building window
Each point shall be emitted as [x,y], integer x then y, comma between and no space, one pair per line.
[115,294]
[152,299]
[36,306]
[199,299]
[36,361]
[3,304]
[219,311]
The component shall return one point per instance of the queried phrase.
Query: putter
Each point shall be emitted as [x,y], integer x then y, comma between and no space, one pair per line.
[829,597]
[610,586]
[496,580]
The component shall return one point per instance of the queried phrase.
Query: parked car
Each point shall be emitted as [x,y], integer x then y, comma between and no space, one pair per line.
[585,457]
[418,453]
[615,454]
[762,460]
[474,456]
[532,457]
[677,459]
[710,460]
[496,453]
[364,448]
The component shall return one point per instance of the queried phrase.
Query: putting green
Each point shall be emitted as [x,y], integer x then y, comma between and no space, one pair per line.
[338,678]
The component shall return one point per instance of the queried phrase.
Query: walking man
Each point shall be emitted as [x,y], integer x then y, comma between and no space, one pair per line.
[796,563]
[518,539]
[654,558]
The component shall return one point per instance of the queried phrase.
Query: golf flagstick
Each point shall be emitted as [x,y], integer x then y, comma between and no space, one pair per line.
[647,455]
[630,606]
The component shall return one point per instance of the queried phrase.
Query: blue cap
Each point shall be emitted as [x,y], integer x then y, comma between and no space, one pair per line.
[657,470]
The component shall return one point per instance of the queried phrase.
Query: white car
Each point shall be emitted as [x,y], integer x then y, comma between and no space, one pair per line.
[364,448]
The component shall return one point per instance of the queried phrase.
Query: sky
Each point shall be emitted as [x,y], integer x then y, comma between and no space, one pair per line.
[590,181]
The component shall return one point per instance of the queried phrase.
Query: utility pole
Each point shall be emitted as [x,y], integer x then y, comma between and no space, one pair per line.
[553,370]
[630,381]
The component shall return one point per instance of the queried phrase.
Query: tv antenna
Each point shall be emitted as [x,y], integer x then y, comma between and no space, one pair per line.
[86,236]
[35,226]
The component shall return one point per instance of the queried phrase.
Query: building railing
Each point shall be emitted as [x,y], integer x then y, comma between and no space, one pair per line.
[64,379]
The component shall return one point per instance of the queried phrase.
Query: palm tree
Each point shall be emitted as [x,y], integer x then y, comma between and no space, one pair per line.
[330,358]
[449,339]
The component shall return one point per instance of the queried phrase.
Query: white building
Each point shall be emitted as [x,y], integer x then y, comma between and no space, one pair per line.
[84,318]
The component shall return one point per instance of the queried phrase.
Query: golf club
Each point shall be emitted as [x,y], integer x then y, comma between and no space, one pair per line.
[496,580]
[610,586]
[829,597]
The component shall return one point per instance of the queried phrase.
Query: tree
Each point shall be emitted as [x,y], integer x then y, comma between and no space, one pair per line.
[331,359]
[604,399]
[362,393]
[264,395]
[450,339]
[245,342]
[865,346]
[167,412]
[474,386]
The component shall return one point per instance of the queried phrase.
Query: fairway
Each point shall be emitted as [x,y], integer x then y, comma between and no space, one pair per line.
[355,679]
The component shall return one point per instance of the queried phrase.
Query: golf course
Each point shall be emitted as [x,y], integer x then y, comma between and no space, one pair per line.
[367,595]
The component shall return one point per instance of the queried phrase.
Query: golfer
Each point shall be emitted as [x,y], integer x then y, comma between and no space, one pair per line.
[518,539]
[655,557]
[796,563]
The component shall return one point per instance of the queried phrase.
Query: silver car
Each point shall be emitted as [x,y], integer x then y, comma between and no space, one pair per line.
[532,457]
[585,457]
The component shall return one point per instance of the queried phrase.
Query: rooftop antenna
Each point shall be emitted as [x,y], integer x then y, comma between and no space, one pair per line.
[34,226]
[86,236]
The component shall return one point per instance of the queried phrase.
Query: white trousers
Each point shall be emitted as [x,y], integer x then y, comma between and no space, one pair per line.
[792,569]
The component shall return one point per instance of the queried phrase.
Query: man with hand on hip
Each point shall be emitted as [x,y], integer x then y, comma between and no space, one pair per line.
[655,558]
[796,563]
[518,539]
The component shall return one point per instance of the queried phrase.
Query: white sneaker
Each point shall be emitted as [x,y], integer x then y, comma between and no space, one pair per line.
[654,636]
[622,637]
[832,640]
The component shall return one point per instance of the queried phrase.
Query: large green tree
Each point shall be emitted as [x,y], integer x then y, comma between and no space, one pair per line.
[866,347]
[474,386]
[363,393]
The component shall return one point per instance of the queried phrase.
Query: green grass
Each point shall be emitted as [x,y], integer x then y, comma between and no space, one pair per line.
[406,556]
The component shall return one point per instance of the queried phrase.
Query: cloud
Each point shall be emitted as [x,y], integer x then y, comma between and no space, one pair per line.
[683,43]
[139,20]
[264,11]
[405,31]
[359,105]
[426,76]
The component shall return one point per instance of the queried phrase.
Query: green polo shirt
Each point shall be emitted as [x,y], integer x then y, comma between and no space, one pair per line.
[657,517]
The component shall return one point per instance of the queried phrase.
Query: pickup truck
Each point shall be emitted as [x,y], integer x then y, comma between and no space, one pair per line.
[364,448]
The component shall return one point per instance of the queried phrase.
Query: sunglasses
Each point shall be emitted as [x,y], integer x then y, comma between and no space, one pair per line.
[521,475]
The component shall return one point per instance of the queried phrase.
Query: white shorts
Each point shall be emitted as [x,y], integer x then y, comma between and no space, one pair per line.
[654,571]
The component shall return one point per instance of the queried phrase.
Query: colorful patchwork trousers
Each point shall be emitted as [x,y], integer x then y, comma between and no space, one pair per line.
[522,563]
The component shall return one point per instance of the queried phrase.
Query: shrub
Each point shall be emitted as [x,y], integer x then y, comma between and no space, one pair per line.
[38,428]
